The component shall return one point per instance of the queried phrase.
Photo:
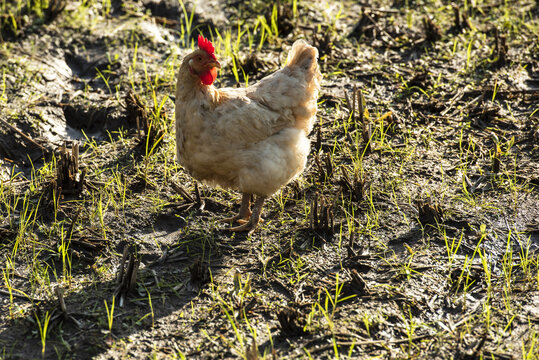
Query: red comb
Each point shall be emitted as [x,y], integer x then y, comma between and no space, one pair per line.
[206,45]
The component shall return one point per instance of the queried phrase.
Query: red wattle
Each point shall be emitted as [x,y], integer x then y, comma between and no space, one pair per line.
[209,77]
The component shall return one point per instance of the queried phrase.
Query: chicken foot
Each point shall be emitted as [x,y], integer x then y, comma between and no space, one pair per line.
[245,211]
[251,225]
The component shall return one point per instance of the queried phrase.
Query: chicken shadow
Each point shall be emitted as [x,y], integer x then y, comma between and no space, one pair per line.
[168,279]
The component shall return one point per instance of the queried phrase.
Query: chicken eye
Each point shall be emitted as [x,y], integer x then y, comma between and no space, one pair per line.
[199,58]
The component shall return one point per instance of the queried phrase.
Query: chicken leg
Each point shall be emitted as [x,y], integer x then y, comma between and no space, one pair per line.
[251,225]
[245,210]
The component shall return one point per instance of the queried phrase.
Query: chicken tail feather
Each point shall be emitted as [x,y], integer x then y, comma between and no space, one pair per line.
[303,59]
[303,55]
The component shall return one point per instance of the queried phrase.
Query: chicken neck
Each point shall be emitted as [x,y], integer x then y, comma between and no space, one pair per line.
[187,86]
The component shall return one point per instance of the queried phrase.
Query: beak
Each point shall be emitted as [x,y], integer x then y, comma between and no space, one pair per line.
[213,63]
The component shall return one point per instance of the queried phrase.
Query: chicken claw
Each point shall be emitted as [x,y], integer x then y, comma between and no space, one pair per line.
[245,211]
[249,227]
[236,218]
[254,220]
[245,221]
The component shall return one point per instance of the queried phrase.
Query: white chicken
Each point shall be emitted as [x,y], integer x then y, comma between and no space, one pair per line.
[250,139]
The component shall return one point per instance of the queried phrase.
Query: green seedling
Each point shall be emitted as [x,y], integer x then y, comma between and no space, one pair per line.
[530,346]
[43,327]
[452,248]
[411,325]
[7,282]
[110,313]
[3,97]
[63,249]
[186,25]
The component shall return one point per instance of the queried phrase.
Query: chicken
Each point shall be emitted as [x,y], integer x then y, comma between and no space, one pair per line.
[252,139]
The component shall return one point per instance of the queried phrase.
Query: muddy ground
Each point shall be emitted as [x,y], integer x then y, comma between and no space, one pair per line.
[412,233]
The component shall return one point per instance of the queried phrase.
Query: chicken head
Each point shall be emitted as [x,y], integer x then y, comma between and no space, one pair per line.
[203,63]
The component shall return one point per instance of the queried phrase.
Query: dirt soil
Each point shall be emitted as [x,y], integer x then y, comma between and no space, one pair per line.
[412,234]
